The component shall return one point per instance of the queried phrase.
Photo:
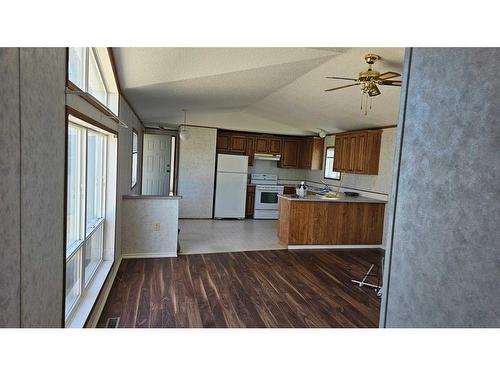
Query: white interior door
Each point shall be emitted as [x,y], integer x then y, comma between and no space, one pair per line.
[156,164]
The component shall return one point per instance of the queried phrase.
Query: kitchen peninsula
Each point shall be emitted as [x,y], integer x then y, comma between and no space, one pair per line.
[316,220]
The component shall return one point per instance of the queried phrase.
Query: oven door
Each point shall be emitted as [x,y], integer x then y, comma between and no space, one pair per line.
[266,199]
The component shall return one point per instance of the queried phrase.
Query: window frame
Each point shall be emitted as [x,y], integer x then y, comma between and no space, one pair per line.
[79,248]
[96,103]
[325,169]
[136,152]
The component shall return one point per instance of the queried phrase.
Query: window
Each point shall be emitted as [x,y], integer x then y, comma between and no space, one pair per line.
[86,192]
[329,158]
[90,69]
[134,157]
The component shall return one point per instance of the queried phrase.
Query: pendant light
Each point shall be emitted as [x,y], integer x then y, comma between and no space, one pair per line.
[184,134]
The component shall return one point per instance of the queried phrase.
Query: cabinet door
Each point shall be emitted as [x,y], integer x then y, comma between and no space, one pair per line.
[338,154]
[359,165]
[238,143]
[250,201]
[275,146]
[261,145]
[290,154]
[345,154]
[305,154]
[353,140]
[250,148]
[223,142]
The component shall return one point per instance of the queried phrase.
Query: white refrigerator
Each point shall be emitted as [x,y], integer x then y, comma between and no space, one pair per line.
[231,186]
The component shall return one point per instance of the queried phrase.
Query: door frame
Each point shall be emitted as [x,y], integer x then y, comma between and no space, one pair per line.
[175,164]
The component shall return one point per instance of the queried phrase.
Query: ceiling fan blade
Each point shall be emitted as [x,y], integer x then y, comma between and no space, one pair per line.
[388,75]
[390,83]
[347,79]
[342,87]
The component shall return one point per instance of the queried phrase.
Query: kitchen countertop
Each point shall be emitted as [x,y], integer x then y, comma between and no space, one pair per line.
[342,199]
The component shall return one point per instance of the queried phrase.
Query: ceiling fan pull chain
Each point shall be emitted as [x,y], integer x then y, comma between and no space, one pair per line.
[362,100]
[366,105]
[371,99]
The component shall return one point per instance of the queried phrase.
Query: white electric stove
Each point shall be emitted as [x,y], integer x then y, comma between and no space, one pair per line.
[266,195]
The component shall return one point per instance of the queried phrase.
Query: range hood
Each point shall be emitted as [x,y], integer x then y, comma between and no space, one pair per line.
[275,157]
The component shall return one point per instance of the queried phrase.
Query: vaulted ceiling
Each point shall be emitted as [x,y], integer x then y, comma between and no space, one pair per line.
[276,90]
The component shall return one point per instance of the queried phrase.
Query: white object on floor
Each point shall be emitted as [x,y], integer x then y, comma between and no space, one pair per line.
[222,236]
[231,186]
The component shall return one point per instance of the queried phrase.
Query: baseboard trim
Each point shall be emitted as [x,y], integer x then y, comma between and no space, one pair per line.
[149,255]
[333,247]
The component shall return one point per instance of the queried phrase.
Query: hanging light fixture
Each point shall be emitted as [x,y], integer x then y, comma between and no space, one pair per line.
[322,133]
[184,134]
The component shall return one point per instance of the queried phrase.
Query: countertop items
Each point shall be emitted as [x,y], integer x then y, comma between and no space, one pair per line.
[340,199]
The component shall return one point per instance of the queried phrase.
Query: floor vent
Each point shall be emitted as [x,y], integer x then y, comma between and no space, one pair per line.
[112,323]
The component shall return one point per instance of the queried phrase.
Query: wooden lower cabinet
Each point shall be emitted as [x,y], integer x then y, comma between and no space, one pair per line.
[303,222]
[250,203]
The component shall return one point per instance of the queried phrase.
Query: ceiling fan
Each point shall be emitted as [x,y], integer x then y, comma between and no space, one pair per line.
[369,79]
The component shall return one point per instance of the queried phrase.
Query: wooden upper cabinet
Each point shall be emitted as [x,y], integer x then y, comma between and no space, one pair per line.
[290,153]
[275,145]
[311,153]
[238,143]
[262,145]
[306,146]
[358,152]
[250,149]
[223,142]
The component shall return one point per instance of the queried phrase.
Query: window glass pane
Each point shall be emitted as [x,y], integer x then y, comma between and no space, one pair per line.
[93,251]
[330,157]
[76,66]
[95,178]
[73,280]
[96,86]
[74,191]
[134,141]
[134,169]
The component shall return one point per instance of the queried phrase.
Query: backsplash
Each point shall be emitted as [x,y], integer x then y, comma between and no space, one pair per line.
[271,167]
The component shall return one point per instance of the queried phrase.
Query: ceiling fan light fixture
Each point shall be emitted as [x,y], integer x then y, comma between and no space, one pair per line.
[322,133]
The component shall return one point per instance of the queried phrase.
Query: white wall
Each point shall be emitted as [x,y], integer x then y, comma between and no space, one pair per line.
[140,238]
[32,146]
[197,172]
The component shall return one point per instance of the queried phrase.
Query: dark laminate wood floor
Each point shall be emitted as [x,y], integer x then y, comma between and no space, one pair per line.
[246,289]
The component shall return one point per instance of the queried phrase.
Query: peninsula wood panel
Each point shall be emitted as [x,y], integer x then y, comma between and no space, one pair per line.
[330,223]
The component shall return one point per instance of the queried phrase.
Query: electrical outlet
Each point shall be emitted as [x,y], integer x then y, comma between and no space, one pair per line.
[157,227]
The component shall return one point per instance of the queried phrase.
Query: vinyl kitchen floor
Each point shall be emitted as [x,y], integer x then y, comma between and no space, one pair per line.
[200,236]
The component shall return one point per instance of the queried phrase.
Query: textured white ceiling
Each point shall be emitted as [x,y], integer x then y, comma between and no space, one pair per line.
[279,90]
